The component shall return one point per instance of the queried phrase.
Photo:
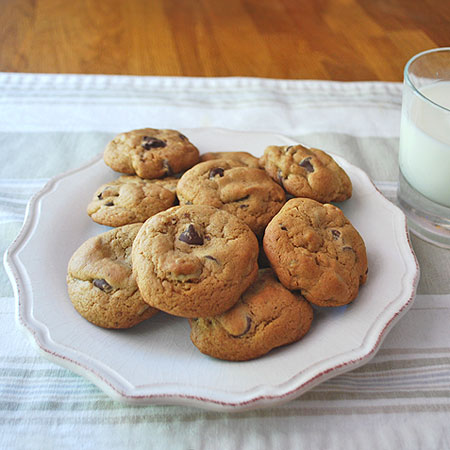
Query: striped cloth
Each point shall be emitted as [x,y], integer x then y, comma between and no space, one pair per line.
[52,123]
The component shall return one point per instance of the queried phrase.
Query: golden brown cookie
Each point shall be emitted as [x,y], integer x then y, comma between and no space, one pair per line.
[307,172]
[248,193]
[266,316]
[131,199]
[314,248]
[245,158]
[100,281]
[194,261]
[150,153]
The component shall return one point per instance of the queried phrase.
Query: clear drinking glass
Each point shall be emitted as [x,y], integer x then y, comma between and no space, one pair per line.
[424,156]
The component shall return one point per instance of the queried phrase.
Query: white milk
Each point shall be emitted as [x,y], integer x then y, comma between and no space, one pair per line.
[425,143]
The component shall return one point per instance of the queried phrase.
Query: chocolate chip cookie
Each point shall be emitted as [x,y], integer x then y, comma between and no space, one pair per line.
[194,261]
[307,172]
[314,248]
[248,193]
[266,316]
[150,153]
[245,158]
[101,284]
[131,199]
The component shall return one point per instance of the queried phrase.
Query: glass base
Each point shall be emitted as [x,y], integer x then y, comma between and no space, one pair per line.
[428,220]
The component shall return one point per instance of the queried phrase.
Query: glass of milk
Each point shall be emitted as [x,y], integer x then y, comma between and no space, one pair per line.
[424,154]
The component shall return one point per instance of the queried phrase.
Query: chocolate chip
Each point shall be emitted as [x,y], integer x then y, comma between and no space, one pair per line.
[166,165]
[190,236]
[100,196]
[283,228]
[211,258]
[306,164]
[102,285]
[149,142]
[288,148]
[216,171]
[182,136]
[243,206]
[247,328]
[280,176]
[109,204]
[336,234]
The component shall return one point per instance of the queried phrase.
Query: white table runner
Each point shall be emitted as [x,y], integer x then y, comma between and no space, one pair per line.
[52,123]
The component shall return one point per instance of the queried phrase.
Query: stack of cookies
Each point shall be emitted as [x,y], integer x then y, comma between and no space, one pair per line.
[213,239]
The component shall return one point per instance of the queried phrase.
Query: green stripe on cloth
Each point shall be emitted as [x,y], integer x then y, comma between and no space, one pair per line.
[8,232]
[44,155]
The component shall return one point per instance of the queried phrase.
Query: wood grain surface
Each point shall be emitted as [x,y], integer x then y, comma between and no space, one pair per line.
[346,40]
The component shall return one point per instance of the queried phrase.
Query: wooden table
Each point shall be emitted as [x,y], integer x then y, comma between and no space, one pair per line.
[306,39]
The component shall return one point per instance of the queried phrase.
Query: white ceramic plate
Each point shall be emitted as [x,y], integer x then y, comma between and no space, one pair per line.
[155,362]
